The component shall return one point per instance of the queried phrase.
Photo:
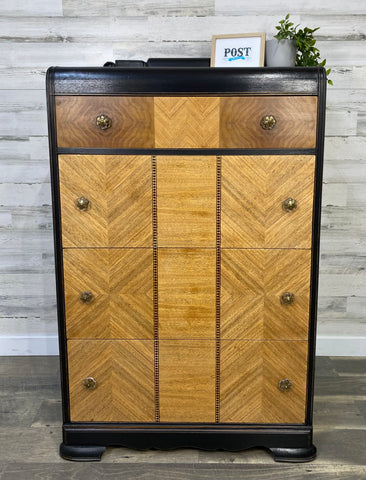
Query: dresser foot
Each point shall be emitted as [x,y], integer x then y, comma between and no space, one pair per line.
[81,453]
[294,455]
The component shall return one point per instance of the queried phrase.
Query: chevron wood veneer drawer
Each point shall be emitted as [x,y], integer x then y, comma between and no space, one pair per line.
[254,192]
[121,385]
[119,195]
[253,370]
[131,122]
[242,122]
[186,122]
[108,293]
[253,285]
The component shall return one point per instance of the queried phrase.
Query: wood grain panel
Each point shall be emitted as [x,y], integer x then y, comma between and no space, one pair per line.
[132,122]
[120,194]
[252,282]
[124,371]
[121,282]
[187,380]
[253,190]
[187,280]
[295,127]
[250,374]
[186,122]
[186,201]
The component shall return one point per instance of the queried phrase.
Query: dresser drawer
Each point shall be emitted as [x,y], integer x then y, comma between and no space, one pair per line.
[104,122]
[268,122]
[267,201]
[106,200]
[265,294]
[108,293]
[111,380]
[254,377]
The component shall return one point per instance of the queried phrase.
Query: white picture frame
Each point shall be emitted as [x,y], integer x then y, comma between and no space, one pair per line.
[238,50]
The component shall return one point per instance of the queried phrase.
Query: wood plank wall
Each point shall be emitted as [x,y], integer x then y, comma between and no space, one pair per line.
[39,33]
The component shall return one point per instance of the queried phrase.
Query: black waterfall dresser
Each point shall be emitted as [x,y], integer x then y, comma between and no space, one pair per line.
[186,216]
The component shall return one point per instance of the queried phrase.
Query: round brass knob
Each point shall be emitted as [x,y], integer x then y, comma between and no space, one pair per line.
[285,385]
[86,297]
[268,122]
[82,203]
[90,383]
[287,298]
[103,121]
[289,204]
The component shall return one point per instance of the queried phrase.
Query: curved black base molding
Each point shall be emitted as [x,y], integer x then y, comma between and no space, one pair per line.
[82,453]
[294,455]
[87,442]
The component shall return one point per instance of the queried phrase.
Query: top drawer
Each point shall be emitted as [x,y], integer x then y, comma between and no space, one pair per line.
[186,122]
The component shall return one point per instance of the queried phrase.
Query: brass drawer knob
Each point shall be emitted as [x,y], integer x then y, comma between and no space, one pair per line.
[103,121]
[90,383]
[289,204]
[268,122]
[285,385]
[287,298]
[86,297]
[82,203]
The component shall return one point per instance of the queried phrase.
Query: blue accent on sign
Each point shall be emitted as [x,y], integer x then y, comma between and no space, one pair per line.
[237,58]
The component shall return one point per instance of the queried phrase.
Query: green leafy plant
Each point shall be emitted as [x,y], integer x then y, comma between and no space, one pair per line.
[307,54]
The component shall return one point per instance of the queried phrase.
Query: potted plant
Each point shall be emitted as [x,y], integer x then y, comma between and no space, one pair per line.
[293,46]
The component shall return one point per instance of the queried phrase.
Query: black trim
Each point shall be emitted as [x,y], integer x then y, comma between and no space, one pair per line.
[189,80]
[203,436]
[186,151]
[56,211]
[318,184]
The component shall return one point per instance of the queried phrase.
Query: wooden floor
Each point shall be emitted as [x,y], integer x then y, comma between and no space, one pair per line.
[30,433]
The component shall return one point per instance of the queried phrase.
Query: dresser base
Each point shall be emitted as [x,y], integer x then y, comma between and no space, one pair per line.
[82,453]
[294,455]
[87,442]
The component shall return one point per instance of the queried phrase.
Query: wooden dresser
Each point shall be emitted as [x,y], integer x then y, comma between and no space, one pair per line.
[186,214]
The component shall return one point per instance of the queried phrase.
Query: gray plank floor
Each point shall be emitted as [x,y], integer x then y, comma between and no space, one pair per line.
[30,433]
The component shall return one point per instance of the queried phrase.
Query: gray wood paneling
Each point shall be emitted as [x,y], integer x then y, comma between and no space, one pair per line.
[117,8]
[281,7]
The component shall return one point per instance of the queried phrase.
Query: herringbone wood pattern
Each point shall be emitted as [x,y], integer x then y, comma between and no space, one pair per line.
[186,122]
[124,372]
[252,282]
[250,375]
[186,201]
[132,122]
[253,190]
[187,293]
[120,194]
[240,119]
[121,281]
[187,380]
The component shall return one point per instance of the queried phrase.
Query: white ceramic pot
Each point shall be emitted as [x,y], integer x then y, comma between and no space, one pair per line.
[280,53]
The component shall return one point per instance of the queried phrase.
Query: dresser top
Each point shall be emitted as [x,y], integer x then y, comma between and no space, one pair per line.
[173,80]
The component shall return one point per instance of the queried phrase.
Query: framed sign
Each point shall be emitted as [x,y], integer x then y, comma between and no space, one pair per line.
[240,50]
